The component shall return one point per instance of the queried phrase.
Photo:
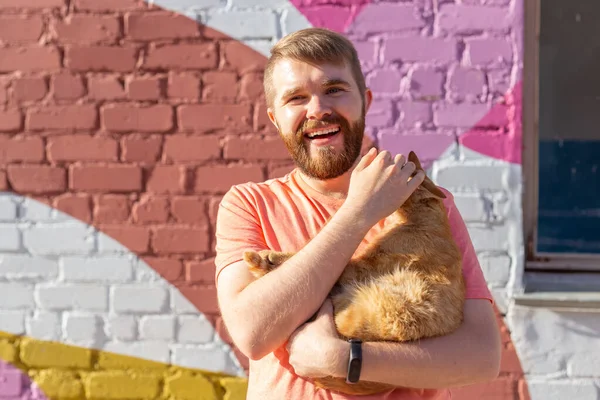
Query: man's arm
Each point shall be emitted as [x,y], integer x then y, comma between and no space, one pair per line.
[467,356]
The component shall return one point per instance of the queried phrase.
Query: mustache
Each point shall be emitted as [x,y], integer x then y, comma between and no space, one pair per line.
[316,124]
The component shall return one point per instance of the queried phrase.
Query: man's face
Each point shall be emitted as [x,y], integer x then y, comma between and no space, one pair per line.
[320,114]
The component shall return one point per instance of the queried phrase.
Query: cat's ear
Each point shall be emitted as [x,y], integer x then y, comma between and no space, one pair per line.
[432,188]
[412,157]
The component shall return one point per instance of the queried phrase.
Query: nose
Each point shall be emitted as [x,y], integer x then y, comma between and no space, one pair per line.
[317,108]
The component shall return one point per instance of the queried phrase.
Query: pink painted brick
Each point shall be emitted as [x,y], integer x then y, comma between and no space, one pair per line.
[487,2]
[428,145]
[381,113]
[495,51]
[458,18]
[466,83]
[414,114]
[426,82]
[387,17]
[11,382]
[367,53]
[385,81]
[462,115]
[332,16]
[420,49]
[499,81]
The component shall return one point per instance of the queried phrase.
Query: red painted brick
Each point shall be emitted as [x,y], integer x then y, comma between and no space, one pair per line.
[191,148]
[67,87]
[177,239]
[277,171]
[242,358]
[184,86]
[170,269]
[29,59]
[261,121]
[106,88]
[82,148]
[241,58]
[27,149]
[76,205]
[255,148]
[220,178]
[523,390]
[189,210]
[126,117]
[151,209]
[220,86]
[143,26]
[222,331]
[37,179]
[4,83]
[144,88]
[108,5]
[105,178]
[86,29]
[200,271]
[213,209]
[31,4]
[134,238]
[101,58]
[3,180]
[251,87]
[203,297]
[30,89]
[502,388]
[166,179]
[21,28]
[208,117]
[111,208]
[62,117]
[10,120]
[182,56]
[141,148]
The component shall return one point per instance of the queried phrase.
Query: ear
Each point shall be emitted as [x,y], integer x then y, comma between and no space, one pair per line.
[412,157]
[271,116]
[432,188]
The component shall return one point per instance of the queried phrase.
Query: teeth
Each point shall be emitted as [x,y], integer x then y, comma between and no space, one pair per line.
[323,132]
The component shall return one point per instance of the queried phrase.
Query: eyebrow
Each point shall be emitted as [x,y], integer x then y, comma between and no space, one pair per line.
[325,83]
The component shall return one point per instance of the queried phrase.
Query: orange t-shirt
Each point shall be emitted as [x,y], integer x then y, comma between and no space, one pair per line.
[283,214]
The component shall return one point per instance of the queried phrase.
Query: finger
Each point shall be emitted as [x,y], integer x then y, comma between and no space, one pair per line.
[407,170]
[416,181]
[366,159]
[399,160]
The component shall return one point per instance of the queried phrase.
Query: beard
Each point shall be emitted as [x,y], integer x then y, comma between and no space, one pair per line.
[326,163]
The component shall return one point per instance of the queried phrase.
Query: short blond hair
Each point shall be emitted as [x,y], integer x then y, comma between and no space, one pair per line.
[313,46]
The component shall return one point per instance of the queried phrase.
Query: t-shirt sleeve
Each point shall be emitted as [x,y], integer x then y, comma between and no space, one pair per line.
[476,285]
[237,230]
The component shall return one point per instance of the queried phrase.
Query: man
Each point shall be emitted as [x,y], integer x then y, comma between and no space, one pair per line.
[327,210]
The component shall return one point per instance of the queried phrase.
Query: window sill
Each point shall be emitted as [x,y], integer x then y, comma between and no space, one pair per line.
[580,300]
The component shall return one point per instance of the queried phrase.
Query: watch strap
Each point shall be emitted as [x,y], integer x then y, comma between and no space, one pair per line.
[355,361]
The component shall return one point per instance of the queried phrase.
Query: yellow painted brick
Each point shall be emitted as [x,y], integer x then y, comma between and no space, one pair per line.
[182,386]
[108,360]
[59,384]
[235,388]
[37,353]
[6,335]
[122,385]
[8,351]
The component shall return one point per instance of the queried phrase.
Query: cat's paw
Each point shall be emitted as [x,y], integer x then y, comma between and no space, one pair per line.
[262,262]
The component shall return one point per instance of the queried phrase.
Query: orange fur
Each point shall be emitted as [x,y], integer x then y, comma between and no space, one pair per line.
[407,285]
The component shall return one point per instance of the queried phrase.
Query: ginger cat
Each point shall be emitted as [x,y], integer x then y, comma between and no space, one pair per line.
[407,285]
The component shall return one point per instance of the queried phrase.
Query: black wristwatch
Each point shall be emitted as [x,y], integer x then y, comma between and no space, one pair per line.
[355,361]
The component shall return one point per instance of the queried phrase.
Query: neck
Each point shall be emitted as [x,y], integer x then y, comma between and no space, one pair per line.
[336,187]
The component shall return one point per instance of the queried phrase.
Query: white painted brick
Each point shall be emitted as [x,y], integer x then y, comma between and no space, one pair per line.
[121,327]
[59,239]
[183,6]
[260,46]
[82,328]
[92,297]
[501,299]
[97,269]
[12,322]
[244,24]
[180,304]
[270,4]
[496,269]
[490,238]
[471,177]
[108,245]
[10,237]
[293,20]
[472,207]
[35,211]
[21,266]
[161,327]
[580,389]
[585,364]
[144,273]
[148,350]
[206,357]
[44,325]
[139,299]
[15,295]
[8,209]
[194,329]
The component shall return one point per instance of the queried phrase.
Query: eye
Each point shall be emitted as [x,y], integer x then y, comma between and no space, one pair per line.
[334,90]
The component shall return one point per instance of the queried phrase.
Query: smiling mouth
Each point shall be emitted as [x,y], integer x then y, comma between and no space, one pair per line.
[323,133]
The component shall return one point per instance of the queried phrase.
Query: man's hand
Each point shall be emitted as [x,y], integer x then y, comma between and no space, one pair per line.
[379,185]
[315,347]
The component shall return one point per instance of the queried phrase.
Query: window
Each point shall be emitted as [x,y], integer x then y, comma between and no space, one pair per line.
[561,120]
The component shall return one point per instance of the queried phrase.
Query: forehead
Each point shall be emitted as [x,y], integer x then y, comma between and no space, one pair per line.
[292,74]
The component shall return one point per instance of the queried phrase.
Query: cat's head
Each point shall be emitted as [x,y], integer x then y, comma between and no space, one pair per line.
[427,189]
